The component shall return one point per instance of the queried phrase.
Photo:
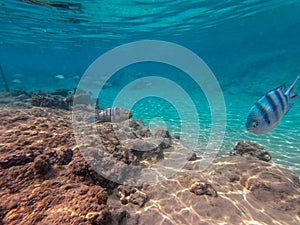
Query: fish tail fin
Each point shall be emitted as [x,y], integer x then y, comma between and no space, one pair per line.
[290,92]
[94,118]
[90,120]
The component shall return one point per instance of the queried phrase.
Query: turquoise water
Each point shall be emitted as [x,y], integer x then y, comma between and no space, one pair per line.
[251,47]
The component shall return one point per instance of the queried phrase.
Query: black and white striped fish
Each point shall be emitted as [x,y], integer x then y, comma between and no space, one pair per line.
[268,111]
[111,115]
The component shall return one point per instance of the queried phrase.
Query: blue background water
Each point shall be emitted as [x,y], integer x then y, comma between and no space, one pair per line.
[250,46]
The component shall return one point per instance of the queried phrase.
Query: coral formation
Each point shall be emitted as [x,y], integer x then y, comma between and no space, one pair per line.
[41,164]
[203,188]
[251,150]
[57,99]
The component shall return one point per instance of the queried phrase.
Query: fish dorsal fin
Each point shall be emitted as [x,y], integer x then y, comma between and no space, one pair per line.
[281,87]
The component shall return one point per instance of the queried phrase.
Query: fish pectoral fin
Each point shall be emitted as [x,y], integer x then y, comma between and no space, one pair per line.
[293,95]
[289,107]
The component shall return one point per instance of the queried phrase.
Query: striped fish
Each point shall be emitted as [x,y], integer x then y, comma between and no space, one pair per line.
[268,111]
[111,115]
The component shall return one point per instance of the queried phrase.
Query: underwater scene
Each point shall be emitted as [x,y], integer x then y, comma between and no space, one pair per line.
[149,112]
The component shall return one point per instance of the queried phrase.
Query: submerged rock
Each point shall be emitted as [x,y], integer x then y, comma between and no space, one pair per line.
[193,157]
[41,164]
[65,157]
[251,150]
[203,188]
[16,160]
[136,196]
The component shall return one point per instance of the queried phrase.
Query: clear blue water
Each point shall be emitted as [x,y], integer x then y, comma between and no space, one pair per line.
[251,47]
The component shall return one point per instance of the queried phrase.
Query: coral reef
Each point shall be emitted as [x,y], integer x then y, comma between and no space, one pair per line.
[15,99]
[57,99]
[51,102]
[44,178]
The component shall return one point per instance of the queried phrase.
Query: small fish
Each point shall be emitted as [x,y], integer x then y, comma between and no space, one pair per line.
[110,115]
[61,77]
[268,111]
[17,81]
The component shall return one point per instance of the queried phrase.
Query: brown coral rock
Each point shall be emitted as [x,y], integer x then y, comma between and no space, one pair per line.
[31,142]
[203,188]
[41,164]
[138,198]
[251,150]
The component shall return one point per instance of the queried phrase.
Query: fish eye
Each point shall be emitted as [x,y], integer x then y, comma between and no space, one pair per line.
[255,124]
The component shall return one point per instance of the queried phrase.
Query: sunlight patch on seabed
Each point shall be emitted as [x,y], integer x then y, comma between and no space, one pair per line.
[252,222]
[71,211]
[282,143]
[178,206]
